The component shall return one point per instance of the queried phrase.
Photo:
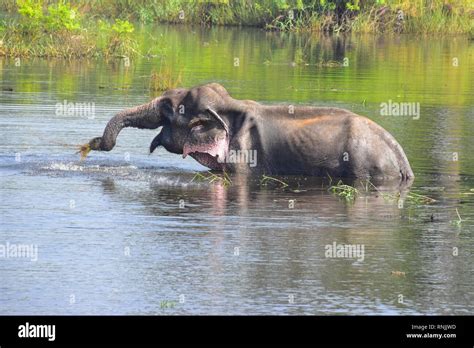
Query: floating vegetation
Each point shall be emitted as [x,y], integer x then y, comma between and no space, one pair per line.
[417,198]
[267,179]
[347,192]
[398,273]
[166,304]
[329,64]
[459,221]
[411,197]
[210,177]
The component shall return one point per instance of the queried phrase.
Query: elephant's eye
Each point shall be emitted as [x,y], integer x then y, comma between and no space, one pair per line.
[197,122]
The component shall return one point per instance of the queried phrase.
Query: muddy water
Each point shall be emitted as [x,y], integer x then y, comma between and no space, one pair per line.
[129,233]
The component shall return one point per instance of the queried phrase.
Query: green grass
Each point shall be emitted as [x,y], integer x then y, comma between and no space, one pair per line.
[163,79]
[459,221]
[265,180]
[58,30]
[225,180]
[346,192]
[411,197]
[210,177]
[374,16]
[420,16]
[78,29]
[349,193]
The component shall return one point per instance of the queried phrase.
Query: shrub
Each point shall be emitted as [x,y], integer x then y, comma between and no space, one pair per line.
[61,16]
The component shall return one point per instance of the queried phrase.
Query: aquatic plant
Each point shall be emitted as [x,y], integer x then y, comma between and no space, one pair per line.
[411,197]
[163,79]
[210,177]
[267,179]
[459,221]
[398,273]
[342,190]
[349,193]
[329,64]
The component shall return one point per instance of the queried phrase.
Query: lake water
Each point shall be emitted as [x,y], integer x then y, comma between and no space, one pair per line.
[129,233]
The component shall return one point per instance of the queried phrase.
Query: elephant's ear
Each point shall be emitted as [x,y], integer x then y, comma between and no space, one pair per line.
[219,119]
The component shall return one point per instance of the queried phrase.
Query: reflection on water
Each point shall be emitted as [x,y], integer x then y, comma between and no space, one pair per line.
[129,233]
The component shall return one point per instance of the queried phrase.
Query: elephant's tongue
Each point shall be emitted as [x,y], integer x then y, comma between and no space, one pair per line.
[208,154]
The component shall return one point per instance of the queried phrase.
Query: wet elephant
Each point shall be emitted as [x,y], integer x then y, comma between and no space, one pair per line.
[223,133]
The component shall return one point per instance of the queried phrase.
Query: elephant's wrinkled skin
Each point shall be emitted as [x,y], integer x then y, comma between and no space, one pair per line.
[209,125]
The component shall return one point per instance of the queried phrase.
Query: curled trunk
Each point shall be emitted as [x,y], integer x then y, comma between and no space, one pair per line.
[146,116]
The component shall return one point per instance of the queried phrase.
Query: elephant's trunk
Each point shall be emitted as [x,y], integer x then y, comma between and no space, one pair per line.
[143,116]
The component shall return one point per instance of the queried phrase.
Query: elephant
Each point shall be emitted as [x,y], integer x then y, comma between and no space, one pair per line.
[226,134]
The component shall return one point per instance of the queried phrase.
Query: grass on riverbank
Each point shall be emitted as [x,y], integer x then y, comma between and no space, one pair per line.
[102,28]
[59,30]
[423,16]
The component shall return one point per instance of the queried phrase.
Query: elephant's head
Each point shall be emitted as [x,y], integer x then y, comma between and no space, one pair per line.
[194,121]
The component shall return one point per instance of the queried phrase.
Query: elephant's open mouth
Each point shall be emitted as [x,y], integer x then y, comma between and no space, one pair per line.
[207,160]
[212,155]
